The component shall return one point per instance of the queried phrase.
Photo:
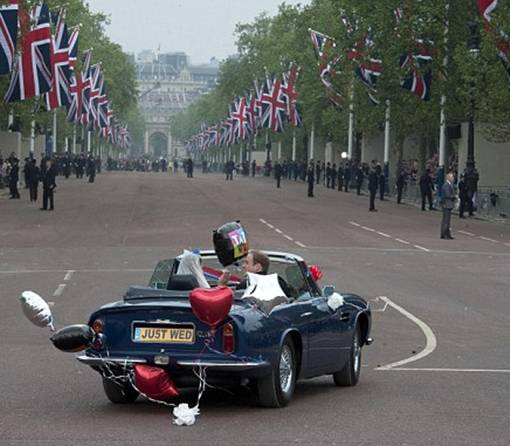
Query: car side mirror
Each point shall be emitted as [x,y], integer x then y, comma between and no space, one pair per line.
[328,290]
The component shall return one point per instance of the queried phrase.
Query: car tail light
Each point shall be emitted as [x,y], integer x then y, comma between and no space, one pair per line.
[98,326]
[228,338]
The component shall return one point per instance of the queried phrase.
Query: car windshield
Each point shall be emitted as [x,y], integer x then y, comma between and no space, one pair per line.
[287,269]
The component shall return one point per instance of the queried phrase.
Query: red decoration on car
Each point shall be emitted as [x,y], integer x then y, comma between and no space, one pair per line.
[316,272]
[154,382]
[211,305]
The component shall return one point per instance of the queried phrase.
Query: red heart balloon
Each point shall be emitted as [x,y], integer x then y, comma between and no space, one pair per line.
[154,382]
[211,305]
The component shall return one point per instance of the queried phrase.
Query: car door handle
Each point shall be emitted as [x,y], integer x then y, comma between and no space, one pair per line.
[344,317]
[308,313]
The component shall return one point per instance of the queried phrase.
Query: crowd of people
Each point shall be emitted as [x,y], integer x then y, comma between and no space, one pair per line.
[32,174]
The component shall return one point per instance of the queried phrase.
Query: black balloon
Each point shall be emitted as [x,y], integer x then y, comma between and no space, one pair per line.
[73,338]
[230,243]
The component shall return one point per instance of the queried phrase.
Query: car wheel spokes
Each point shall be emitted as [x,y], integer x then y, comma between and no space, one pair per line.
[286,369]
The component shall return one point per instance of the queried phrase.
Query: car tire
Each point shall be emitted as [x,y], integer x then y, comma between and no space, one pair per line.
[276,390]
[119,394]
[349,375]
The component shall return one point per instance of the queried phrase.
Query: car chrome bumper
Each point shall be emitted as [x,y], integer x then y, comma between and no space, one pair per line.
[223,365]
[216,365]
[97,361]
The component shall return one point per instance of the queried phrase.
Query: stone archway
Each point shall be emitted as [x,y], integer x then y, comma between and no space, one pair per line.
[158,144]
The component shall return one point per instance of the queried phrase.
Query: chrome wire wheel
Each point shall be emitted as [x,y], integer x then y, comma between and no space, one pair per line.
[286,369]
[356,352]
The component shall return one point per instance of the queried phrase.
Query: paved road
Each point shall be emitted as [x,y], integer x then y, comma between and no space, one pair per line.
[446,300]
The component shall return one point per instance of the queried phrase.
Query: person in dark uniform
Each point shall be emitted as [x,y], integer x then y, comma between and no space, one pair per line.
[310,178]
[382,184]
[189,168]
[340,176]
[401,179]
[347,176]
[229,170]
[278,171]
[463,196]
[253,168]
[328,175]
[318,172]
[333,176]
[49,185]
[359,179]
[426,188]
[447,203]
[471,177]
[373,182]
[66,166]
[33,178]
[25,170]
[14,178]
[91,168]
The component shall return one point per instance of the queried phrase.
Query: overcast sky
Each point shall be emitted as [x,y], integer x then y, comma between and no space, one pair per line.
[201,28]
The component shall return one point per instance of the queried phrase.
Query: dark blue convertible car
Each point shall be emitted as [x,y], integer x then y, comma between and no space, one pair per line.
[298,339]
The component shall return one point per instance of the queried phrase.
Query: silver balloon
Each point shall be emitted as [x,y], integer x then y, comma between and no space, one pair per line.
[36,310]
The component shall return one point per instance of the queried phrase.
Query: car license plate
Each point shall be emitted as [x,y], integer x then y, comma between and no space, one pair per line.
[165,335]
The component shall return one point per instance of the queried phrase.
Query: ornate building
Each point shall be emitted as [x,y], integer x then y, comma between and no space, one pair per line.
[168,84]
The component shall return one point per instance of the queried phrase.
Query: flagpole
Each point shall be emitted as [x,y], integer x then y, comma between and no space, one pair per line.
[387,134]
[54,142]
[32,136]
[10,120]
[74,139]
[351,124]
[312,142]
[279,150]
[442,119]
[88,141]
[294,145]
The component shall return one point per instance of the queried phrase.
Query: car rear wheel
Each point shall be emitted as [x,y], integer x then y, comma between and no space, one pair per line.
[119,394]
[277,389]
[349,375]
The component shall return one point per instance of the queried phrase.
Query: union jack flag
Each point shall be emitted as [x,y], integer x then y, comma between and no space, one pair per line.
[31,75]
[273,105]
[8,35]
[322,45]
[252,113]
[486,8]
[96,88]
[417,66]
[418,79]
[60,93]
[85,90]
[240,116]
[75,107]
[290,95]
[73,47]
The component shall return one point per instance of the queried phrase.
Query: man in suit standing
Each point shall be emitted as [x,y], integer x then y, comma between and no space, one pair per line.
[49,185]
[278,171]
[447,203]
[310,178]
[426,188]
[401,179]
[373,182]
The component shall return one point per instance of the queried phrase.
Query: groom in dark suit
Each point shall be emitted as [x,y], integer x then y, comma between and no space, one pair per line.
[447,203]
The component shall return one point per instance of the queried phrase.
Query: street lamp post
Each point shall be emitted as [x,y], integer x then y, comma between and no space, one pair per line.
[474,50]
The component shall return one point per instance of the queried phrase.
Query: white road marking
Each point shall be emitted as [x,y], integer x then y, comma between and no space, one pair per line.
[381,310]
[300,244]
[288,237]
[270,225]
[488,239]
[412,369]
[466,233]
[368,229]
[384,235]
[69,274]
[402,241]
[431,341]
[507,244]
[354,224]
[279,231]
[59,290]
[263,221]
[422,248]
